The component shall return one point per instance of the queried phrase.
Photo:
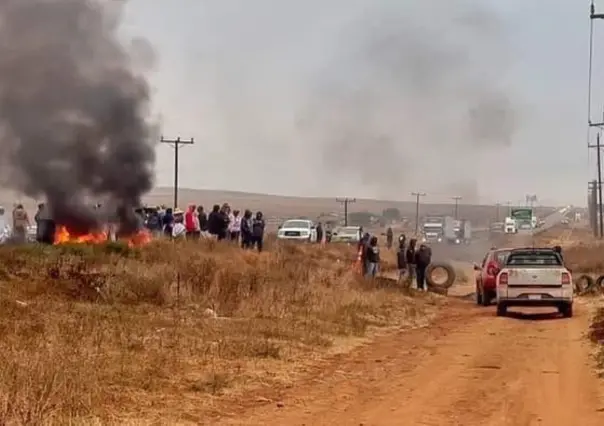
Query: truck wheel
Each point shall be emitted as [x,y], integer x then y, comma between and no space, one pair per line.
[566,310]
[501,310]
[486,298]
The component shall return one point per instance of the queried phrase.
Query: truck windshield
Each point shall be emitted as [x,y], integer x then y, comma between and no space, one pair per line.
[533,258]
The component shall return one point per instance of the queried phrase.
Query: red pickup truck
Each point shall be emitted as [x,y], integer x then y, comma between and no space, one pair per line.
[487,275]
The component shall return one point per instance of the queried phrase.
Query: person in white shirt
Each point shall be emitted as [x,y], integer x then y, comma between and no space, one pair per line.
[179,231]
[234,225]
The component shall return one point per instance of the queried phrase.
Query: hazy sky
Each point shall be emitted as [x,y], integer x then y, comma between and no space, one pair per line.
[374,98]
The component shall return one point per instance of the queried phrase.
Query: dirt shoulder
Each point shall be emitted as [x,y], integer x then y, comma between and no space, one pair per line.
[469,367]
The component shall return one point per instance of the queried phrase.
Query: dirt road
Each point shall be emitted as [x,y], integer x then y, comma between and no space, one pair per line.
[469,368]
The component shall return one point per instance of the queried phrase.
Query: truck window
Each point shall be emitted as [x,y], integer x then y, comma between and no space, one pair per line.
[534,258]
[501,257]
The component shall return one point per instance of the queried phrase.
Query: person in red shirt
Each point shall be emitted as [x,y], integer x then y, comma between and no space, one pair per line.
[192,223]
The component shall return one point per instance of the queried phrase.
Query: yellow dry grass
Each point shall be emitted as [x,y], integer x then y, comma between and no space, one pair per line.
[110,335]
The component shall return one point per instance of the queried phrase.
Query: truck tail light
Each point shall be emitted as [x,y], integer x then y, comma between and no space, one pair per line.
[492,269]
[503,279]
[565,279]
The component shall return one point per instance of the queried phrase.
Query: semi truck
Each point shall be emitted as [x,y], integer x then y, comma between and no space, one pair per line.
[433,229]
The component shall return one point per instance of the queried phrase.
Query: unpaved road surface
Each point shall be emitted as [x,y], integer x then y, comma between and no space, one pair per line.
[469,368]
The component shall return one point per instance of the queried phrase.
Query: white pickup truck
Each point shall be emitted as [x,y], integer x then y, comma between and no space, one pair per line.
[534,277]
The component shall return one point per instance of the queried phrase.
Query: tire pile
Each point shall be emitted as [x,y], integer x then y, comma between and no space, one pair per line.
[586,285]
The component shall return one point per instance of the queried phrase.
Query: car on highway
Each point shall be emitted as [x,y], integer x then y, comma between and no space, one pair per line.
[534,277]
[297,230]
[486,277]
[346,234]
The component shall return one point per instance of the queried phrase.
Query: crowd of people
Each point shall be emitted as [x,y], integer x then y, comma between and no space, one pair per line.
[412,261]
[222,223]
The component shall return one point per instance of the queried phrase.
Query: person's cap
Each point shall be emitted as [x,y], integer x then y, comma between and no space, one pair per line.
[178,211]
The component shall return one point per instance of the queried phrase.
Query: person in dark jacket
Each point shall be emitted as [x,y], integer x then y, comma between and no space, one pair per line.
[247,236]
[410,259]
[223,231]
[167,222]
[258,231]
[389,237]
[203,219]
[363,244]
[214,221]
[423,257]
[319,232]
[401,260]
[373,258]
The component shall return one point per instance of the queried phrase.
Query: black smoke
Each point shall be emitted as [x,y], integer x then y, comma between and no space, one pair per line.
[73,110]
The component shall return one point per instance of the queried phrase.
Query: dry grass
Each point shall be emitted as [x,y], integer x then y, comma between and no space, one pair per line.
[110,335]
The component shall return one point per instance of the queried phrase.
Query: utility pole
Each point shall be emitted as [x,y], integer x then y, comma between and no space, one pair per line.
[417,195]
[598,147]
[497,206]
[457,198]
[345,201]
[176,144]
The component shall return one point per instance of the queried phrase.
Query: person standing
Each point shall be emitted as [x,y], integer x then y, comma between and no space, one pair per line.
[235,226]
[223,215]
[203,219]
[214,221]
[191,222]
[373,258]
[423,259]
[20,224]
[389,237]
[319,233]
[167,222]
[411,264]
[258,231]
[401,261]
[247,236]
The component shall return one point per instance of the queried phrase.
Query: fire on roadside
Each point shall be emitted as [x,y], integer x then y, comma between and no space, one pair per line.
[63,236]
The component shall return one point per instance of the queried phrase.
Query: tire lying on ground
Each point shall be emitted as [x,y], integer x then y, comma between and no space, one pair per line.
[600,283]
[433,267]
[584,284]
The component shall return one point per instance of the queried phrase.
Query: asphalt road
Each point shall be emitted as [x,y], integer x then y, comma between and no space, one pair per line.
[475,251]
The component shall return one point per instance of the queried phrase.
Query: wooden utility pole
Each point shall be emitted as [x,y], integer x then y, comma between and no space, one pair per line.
[598,147]
[176,144]
[457,198]
[346,201]
[417,195]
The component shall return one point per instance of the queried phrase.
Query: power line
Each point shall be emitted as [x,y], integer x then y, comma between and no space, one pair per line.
[176,144]
[457,198]
[346,201]
[417,195]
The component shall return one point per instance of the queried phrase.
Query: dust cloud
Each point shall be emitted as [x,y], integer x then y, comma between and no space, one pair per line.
[73,109]
[382,95]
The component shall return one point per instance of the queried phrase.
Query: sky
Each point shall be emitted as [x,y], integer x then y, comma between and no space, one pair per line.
[374,98]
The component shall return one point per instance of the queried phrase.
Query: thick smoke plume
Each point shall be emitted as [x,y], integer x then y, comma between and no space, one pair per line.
[387,97]
[73,110]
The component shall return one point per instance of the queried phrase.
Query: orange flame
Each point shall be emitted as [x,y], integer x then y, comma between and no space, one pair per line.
[62,236]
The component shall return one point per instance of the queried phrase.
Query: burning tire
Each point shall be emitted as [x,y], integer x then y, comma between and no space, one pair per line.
[435,272]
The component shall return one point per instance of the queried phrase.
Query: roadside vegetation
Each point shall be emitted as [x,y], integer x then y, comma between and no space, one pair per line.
[109,334]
